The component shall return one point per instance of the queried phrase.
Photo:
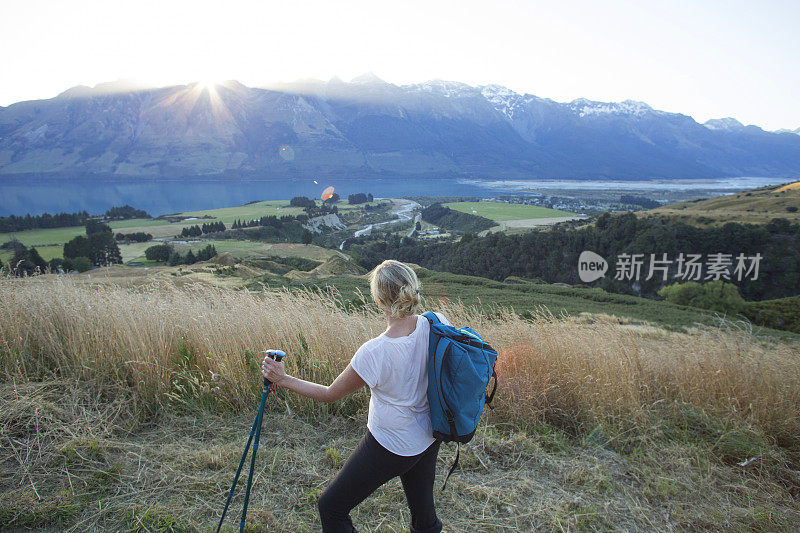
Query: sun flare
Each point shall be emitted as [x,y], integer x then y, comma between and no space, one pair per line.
[207,85]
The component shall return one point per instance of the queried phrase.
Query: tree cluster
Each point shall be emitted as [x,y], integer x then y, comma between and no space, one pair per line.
[190,258]
[167,254]
[99,246]
[43,221]
[125,212]
[641,201]
[197,230]
[359,198]
[455,220]
[159,252]
[302,201]
[95,226]
[553,255]
[139,236]
[27,262]
[64,220]
[321,210]
[271,229]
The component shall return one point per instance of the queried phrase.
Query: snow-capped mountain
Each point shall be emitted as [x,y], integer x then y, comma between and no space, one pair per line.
[368,127]
[796,132]
[724,124]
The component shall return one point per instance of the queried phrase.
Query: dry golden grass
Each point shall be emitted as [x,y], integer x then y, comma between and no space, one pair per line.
[85,366]
[758,206]
[198,343]
[789,187]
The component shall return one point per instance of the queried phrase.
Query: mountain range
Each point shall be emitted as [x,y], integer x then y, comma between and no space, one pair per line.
[371,128]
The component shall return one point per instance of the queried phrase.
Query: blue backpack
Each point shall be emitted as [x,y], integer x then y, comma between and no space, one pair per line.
[460,366]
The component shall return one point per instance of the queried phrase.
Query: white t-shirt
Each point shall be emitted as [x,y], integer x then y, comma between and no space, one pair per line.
[396,370]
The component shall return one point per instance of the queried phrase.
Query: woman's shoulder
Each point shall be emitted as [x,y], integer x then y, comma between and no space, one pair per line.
[442,318]
[371,344]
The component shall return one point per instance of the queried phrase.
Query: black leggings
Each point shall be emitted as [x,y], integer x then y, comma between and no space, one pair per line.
[370,466]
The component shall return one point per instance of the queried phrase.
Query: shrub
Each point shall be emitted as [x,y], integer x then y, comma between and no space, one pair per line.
[81,264]
[714,296]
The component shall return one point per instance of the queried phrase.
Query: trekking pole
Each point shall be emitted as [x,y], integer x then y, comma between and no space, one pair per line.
[255,433]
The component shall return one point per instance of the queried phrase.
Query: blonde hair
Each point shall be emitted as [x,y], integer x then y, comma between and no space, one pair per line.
[395,287]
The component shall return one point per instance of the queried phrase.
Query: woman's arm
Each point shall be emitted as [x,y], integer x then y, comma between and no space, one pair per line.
[346,383]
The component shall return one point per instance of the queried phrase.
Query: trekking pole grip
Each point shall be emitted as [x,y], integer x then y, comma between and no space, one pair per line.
[276,355]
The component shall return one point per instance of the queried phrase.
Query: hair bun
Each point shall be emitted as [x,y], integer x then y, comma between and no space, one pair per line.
[395,287]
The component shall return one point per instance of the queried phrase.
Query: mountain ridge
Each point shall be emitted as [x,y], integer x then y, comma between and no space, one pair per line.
[371,128]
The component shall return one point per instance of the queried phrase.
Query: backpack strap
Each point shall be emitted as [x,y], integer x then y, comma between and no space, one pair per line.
[455,464]
[494,389]
[432,318]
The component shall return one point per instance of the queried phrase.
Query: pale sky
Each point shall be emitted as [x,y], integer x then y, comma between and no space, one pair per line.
[704,58]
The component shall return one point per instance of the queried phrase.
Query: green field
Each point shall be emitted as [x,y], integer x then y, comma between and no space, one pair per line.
[246,212]
[137,223]
[38,237]
[46,252]
[502,212]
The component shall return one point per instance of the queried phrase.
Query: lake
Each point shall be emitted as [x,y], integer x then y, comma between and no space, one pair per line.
[20,196]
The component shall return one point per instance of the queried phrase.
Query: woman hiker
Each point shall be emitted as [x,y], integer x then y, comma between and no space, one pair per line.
[399,439]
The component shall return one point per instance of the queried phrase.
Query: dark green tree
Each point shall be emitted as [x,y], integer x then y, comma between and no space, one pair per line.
[95,226]
[103,249]
[27,262]
[159,252]
[207,253]
[302,201]
[358,198]
[77,247]
[126,212]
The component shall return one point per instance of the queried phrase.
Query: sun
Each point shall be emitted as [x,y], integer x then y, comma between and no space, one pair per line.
[207,85]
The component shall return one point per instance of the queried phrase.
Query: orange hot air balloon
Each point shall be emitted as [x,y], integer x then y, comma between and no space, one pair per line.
[327,193]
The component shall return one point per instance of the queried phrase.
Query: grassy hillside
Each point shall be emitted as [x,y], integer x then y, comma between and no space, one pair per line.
[758,206]
[781,313]
[526,297]
[139,425]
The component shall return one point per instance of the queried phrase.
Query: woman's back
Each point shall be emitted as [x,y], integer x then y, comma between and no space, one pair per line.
[396,370]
